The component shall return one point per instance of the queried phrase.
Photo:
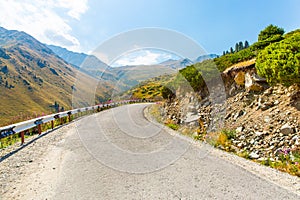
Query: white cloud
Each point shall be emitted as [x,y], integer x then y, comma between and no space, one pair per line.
[75,7]
[44,19]
[143,57]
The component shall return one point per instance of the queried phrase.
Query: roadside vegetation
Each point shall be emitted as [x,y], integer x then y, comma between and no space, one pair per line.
[150,89]
[289,159]
[277,59]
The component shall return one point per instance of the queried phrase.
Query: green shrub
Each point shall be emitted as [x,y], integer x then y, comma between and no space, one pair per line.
[173,126]
[228,60]
[280,61]
[167,93]
[244,154]
[229,133]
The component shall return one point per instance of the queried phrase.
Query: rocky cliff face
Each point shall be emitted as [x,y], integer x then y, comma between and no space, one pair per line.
[265,120]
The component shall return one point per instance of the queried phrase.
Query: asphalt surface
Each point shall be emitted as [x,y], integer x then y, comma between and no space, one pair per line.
[119,154]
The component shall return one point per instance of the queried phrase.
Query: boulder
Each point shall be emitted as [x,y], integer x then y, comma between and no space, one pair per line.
[239,129]
[191,116]
[253,155]
[257,78]
[251,84]
[267,119]
[240,78]
[286,129]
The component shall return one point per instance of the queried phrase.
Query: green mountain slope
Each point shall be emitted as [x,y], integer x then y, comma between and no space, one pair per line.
[32,78]
[149,89]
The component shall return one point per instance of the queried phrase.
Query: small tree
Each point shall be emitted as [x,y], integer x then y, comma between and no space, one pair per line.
[246,44]
[241,46]
[236,47]
[269,32]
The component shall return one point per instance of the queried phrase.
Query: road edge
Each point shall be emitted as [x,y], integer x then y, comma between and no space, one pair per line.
[281,179]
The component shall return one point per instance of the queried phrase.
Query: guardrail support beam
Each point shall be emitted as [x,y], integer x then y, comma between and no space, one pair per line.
[22,137]
[39,129]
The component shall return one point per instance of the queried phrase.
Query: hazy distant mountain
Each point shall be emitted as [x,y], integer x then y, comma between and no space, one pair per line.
[69,56]
[88,64]
[77,59]
[168,62]
[33,77]
[177,64]
[205,57]
[182,63]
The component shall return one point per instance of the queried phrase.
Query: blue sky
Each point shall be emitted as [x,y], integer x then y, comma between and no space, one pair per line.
[82,25]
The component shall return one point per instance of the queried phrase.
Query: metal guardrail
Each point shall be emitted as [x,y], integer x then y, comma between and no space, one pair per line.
[21,127]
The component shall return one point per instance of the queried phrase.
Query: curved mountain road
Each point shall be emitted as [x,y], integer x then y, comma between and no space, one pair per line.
[119,154]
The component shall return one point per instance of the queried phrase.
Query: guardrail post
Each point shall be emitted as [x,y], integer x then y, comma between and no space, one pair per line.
[52,124]
[69,116]
[39,129]
[22,138]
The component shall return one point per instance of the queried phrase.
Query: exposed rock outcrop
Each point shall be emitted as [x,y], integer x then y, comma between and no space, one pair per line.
[266,120]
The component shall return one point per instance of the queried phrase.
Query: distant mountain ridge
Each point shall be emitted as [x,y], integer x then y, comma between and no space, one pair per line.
[177,64]
[205,57]
[78,59]
[182,63]
[69,56]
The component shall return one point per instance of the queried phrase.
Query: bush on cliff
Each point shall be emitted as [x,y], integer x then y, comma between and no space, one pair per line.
[280,61]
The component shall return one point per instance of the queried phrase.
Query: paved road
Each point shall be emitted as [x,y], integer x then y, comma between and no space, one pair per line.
[119,154]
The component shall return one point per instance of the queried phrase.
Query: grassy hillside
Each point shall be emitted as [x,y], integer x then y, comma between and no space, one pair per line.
[130,76]
[33,78]
[149,89]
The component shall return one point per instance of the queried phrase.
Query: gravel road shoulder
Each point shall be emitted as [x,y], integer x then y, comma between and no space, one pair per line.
[291,183]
